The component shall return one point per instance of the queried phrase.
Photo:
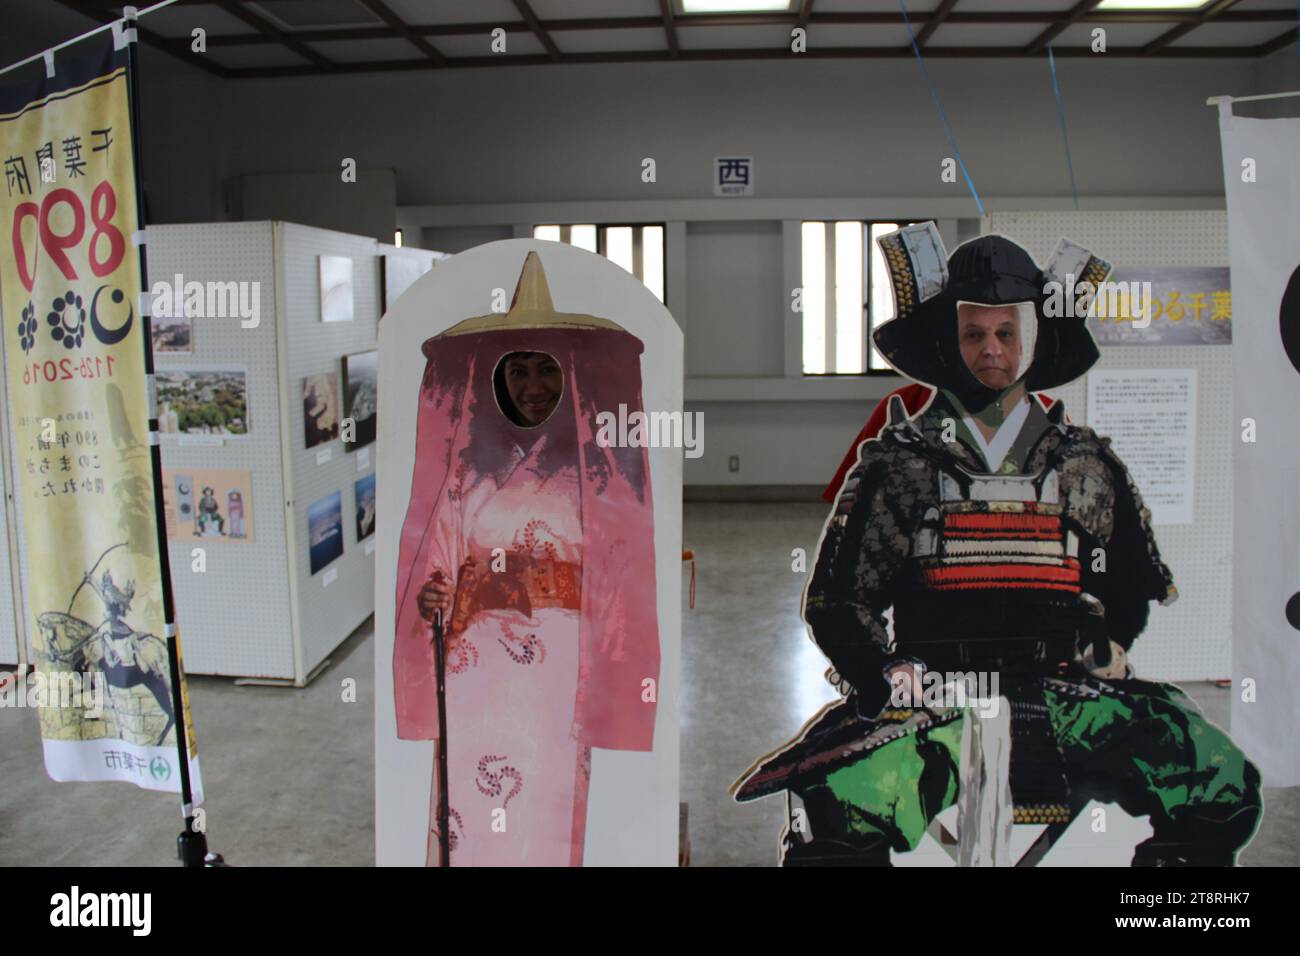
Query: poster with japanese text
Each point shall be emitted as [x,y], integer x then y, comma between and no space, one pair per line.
[1149,415]
[1164,307]
[70,285]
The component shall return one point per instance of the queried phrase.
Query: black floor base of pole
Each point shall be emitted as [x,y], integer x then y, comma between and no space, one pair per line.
[192,849]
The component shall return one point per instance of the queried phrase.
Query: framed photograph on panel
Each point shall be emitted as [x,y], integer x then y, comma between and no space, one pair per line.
[173,334]
[202,401]
[361,397]
[397,274]
[320,408]
[335,289]
[208,503]
[325,530]
[364,490]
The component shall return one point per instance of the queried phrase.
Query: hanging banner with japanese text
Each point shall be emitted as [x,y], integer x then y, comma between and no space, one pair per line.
[1262,185]
[70,286]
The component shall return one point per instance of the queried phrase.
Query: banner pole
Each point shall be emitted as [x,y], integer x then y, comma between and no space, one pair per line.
[1216,100]
[47,54]
[192,844]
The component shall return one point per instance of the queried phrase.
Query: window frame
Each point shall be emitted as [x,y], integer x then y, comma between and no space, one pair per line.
[602,246]
[868,322]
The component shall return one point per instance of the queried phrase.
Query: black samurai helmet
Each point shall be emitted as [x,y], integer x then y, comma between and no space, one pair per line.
[922,341]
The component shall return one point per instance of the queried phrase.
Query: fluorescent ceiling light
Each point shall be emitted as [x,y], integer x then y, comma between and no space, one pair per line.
[735,6]
[1151,4]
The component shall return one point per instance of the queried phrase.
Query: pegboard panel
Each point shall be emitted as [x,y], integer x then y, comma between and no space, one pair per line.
[1190,639]
[234,618]
[327,613]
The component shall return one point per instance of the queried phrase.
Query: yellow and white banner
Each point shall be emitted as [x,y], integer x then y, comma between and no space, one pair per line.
[70,287]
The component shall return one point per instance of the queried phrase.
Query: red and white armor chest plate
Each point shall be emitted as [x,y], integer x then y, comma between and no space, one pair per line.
[1003,533]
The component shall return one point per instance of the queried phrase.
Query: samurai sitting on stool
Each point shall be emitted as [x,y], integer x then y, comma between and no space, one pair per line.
[1015,551]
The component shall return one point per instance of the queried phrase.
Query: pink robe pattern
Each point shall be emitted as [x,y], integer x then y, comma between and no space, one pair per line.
[528,695]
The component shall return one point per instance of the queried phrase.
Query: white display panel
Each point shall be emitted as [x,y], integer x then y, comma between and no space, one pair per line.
[257,611]
[234,618]
[328,613]
[1190,639]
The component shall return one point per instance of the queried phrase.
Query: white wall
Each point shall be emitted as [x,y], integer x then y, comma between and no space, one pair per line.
[459,239]
[734,287]
[1278,73]
[817,127]
[365,206]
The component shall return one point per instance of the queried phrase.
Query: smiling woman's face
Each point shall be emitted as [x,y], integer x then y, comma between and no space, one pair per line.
[534,382]
[990,342]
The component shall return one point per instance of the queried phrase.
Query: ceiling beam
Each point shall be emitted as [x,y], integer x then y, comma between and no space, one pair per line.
[805,12]
[382,10]
[670,31]
[1074,15]
[981,18]
[936,19]
[756,53]
[1278,43]
[1209,13]
[539,31]
[417,35]
[269,29]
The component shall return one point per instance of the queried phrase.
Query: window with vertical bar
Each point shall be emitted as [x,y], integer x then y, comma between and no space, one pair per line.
[638,247]
[846,295]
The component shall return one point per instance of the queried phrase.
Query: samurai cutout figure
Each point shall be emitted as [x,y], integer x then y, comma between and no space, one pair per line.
[1018,560]
[528,548]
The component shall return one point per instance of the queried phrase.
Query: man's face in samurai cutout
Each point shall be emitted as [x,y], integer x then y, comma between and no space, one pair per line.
[991,342]
[533,383]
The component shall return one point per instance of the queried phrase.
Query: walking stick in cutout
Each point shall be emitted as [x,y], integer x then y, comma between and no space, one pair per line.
[440,668]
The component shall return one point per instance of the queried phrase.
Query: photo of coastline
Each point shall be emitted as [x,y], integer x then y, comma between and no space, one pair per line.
[325,530]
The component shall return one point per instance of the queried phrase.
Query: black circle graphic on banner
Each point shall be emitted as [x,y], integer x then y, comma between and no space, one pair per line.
[1293,611]
[1289,319]
[110,336]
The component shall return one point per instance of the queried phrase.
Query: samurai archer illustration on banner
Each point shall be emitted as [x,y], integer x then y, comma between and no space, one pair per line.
[125,657]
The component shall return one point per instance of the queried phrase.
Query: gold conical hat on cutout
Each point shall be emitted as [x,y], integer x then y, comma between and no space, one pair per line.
[531,308]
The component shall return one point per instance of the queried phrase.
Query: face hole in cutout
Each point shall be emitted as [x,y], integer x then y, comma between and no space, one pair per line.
[528,387]
[997,341]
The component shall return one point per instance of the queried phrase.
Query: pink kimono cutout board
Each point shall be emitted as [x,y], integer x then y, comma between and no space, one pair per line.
[560,559]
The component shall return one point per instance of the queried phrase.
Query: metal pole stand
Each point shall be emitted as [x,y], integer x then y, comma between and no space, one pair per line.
[192,848]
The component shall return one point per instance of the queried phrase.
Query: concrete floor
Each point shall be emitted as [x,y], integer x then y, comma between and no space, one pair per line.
[290,773]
